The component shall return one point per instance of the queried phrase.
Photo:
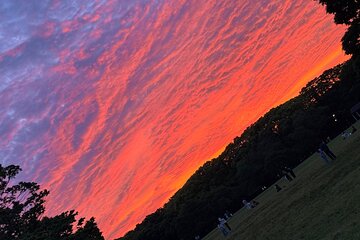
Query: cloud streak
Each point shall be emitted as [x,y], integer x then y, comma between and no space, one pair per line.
[113,105]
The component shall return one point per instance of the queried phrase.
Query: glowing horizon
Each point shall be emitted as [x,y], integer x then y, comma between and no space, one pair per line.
[112,106]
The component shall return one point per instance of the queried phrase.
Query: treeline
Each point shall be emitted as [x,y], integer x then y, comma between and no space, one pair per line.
[285,136]
[22,208]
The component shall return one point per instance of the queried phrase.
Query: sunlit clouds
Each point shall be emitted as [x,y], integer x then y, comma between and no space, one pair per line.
[112,105]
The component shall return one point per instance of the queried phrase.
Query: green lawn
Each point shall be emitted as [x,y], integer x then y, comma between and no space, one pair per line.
[322,203]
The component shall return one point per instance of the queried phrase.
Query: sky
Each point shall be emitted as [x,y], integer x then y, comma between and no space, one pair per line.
[112,105]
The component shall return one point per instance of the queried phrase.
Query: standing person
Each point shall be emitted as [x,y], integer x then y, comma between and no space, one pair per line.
[278,188]
[345,135]
[323,156]
[327,150]
[286,176]
[289,170]
[353,129]
[224,222]
[229,214]
[246,204]
[254,203]
[223,229]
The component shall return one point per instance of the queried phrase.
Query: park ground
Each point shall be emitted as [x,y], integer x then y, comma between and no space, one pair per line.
[322,203]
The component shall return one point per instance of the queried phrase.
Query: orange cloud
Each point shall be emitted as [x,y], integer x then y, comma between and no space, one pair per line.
[127,100]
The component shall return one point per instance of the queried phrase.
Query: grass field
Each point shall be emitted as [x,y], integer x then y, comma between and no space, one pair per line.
[322,203]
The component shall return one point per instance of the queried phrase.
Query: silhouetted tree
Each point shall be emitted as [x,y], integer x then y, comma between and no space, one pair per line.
[351,38]
[21,210]
[89,231]
[20,204]
[346,12]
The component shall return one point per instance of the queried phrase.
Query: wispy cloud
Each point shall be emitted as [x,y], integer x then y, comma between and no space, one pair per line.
[113,105]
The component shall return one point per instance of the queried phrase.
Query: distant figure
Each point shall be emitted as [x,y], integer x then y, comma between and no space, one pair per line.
[289,170]
[353,129]
[227,215]
[327,150]
[224,222]
[278,188]
[247,204]
[345,135]
[225,231]
[254,203]
[287,176]
[251,204]
[197,237]
[323,156]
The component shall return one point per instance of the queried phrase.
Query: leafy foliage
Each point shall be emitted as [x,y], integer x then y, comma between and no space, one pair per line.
[21,210]
[346,12]
[351,39]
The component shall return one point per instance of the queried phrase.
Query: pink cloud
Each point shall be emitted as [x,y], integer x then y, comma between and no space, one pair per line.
[132,98]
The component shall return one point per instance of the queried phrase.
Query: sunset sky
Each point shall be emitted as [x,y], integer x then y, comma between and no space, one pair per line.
[112,105]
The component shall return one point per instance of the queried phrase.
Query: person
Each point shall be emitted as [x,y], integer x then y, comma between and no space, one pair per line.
[197,237]
[324,148]
[287,176]
[323,156]
[247,204]
[251,204]
[224,222]
[254,203]
[278,188]
[353,129]
[223,229]
[289,170]
[227,215]
[283,173]
[345,135]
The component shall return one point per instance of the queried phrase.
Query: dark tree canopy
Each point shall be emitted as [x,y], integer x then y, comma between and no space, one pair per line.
[21,210]
[346,12]
[351,38]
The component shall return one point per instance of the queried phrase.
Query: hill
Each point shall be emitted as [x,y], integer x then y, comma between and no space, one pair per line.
[285,136]
[321,203]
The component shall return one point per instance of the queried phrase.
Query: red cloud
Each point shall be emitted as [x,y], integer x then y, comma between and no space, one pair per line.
[138,96]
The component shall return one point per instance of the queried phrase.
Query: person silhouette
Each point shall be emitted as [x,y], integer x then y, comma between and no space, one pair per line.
[324,148]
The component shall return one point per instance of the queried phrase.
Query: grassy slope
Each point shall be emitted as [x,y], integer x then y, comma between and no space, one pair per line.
[322,203]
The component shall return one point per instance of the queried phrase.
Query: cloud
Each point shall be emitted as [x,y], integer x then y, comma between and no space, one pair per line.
[113,106]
